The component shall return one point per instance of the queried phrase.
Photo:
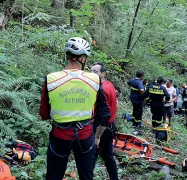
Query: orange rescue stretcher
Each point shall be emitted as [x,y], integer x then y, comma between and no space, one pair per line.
[137,147]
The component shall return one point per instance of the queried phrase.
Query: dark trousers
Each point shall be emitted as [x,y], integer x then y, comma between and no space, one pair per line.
[157,110]
[57,157]
[137,113]
[106,152]
[175,104]
[184,108]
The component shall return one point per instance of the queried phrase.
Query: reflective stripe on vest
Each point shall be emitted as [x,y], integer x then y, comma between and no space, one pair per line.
[73,113]
[156,91]
[135,89]
[72,95]
[72,75]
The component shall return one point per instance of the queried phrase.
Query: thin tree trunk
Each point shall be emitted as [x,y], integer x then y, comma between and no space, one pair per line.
[69,4]
[143,29]
[131,32]
[57,4]
[72,19]
[5,17]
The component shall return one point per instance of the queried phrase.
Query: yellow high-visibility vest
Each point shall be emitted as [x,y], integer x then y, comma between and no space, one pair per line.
[72,95]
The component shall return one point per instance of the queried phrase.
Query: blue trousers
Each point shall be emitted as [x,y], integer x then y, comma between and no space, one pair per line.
[184,108]
[137,114]
[58,153]
[157,110]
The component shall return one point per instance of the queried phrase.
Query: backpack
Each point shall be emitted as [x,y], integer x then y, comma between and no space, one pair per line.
[128,117]
[5,173]
[21,152]
[163,133]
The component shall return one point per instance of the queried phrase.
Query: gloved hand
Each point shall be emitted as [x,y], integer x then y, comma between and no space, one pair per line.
[97,141]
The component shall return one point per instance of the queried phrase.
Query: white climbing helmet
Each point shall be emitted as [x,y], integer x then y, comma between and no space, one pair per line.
[78,46]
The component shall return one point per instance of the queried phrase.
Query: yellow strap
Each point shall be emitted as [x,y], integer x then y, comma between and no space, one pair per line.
[136,120]
[158,121]
[132,88]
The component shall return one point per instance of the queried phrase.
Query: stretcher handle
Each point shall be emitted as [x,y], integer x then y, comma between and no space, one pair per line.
[170,150]
[164,161]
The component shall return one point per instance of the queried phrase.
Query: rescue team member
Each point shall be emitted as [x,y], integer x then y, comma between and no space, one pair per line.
[156,93]
[175,102]
[68,97]
[184,98]
[169,107]
[136,96]
[105,146]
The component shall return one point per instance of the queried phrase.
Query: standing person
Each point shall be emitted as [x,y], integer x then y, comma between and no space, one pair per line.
[184,99]
[68,97]
[156,93]
[136,97]
[169,107]
[175,102]
[105,146]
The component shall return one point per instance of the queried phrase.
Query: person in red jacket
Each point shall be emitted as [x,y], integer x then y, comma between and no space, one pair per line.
[105,148]
[68,98]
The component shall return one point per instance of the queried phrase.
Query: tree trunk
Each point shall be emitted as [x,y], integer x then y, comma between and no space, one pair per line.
[5,17]
[57,4]
[143,29]
[72,19]
[131,33]
[132,29]
[68,4]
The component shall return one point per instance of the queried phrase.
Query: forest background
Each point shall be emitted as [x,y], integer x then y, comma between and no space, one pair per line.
[128,35]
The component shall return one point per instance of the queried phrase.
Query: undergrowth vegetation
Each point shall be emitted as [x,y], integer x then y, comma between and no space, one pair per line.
[32,46]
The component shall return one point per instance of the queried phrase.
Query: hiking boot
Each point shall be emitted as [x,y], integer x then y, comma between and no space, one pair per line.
[137,132]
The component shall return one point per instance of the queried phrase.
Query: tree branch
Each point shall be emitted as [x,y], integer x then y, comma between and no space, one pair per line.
[143,29]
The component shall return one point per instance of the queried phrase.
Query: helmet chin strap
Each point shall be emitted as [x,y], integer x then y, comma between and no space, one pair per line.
[83,64]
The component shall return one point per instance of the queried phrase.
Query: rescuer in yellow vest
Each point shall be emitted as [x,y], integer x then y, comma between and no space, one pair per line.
[68,98]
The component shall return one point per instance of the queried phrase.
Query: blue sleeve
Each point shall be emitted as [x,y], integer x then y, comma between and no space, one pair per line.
[183,93]
[166,94]
[140,85]
[129,82]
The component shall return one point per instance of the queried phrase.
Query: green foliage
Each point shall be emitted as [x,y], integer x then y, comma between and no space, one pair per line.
[155,175]
[32,46]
